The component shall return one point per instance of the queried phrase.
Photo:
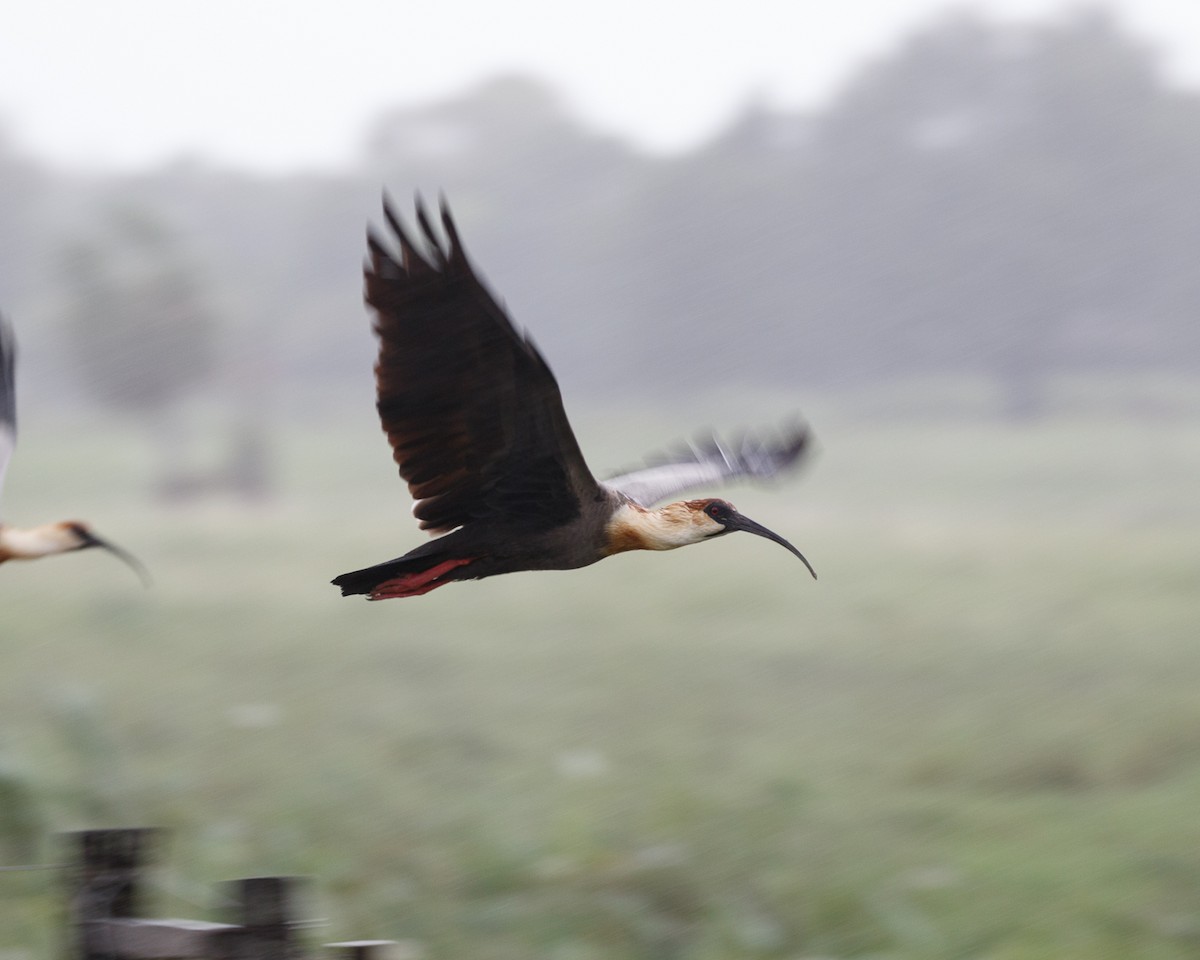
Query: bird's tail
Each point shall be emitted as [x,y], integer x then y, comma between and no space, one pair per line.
[405,577]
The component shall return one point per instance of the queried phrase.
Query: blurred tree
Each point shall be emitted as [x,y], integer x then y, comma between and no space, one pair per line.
[712,240]
[987,198]
[543,200]
[1078,143]
[982,195]
[23,191]
[142,337]
[138,329]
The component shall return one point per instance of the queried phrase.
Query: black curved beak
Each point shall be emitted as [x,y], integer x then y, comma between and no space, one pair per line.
[739,522]
[91,540]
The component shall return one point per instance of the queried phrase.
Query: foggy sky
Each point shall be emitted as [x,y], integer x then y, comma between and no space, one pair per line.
[279,86]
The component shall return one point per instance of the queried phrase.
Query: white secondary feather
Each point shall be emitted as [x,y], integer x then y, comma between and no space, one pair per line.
[713,461]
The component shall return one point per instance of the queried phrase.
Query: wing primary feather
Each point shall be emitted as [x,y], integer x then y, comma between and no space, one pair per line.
[431,238]
[378,250]
[456,247]
[410,256]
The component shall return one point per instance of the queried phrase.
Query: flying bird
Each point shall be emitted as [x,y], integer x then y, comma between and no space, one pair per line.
[477,427]
[50,538]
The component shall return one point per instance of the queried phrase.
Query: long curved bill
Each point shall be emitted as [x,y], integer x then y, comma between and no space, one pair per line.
[91,540]
[739,522]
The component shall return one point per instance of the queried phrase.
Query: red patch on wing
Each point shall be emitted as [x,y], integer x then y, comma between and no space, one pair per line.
[416,584]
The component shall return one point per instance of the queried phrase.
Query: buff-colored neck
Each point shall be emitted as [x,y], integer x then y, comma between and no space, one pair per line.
[675,525]
[50,538]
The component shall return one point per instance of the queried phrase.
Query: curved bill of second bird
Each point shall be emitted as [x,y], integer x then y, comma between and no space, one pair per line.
[91,540]
[740,522]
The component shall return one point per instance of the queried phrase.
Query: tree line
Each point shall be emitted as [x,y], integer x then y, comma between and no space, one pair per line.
[999,200]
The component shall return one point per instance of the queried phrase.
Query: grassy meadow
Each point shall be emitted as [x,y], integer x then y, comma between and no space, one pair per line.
[977,736]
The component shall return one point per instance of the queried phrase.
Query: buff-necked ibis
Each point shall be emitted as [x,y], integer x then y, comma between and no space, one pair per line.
[50,538]
[476,424]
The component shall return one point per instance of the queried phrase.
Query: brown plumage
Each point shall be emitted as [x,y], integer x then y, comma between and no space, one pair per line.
[477,427]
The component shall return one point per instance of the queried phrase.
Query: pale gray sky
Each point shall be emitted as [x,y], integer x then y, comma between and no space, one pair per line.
[287,84]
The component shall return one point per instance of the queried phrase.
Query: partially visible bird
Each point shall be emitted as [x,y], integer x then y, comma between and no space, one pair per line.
[50,538]
[477,427]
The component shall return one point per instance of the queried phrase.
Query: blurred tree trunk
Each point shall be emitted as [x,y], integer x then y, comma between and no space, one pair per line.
[138,329]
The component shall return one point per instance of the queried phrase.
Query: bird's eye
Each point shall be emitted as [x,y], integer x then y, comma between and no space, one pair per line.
[716,511]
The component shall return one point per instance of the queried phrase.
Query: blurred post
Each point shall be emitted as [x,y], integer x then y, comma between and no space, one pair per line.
[103,881]
[265,911]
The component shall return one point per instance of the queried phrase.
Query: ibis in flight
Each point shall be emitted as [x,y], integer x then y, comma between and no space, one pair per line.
[477,427]
[50,538]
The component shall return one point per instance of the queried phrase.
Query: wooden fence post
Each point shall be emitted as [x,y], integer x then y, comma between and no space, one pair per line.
[265,912]
[103,881]
[107,916]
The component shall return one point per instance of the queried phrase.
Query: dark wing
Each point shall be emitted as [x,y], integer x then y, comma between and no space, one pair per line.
[8,396]
[472,411]
[713,461]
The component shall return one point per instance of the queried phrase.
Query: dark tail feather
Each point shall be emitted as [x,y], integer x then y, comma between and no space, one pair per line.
[404,577]
[367,579]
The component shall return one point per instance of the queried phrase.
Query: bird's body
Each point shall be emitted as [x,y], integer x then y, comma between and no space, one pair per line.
[32,543]
[477,427]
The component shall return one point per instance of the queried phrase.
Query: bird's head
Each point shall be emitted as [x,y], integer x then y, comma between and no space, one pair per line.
[633,527]
[715,518]
[77,535]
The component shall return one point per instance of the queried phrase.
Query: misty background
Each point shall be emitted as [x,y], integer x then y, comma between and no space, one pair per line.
[972,269]
[1000,201]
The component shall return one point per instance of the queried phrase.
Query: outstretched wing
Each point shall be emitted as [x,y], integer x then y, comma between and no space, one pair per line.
[713,461]
[472,412]
[8,396]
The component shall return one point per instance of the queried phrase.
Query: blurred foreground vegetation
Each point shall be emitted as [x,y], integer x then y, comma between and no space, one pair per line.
[977,736]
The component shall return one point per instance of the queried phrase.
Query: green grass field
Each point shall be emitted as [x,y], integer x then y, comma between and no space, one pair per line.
[977,736]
